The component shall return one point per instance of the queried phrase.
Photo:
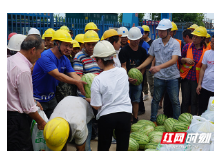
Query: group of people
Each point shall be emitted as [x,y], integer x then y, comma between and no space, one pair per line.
[46,71]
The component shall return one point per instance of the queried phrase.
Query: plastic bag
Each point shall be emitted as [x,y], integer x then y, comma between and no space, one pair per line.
[211,104]
[208,115]
[200,125]
[38,141]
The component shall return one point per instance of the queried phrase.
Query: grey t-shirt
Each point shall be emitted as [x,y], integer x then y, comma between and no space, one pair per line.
[162,55]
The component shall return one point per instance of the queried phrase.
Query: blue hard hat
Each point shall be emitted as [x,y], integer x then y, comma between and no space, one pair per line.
[142,29]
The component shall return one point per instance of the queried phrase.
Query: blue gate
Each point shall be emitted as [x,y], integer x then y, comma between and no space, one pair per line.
[22,22]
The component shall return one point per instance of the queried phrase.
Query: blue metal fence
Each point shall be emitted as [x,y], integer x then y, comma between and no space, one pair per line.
[22,22]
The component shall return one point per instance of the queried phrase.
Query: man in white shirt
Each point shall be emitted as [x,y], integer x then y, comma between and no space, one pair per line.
[75,112]
[205,88]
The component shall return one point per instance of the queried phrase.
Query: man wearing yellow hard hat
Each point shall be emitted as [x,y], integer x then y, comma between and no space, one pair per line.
[50,69]
[80,39]
[48,34]
[67,122]
[91,26]
[83,64]
[193,27]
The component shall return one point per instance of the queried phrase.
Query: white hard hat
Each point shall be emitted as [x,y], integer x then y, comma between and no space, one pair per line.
[104,49]
[134,33]
[34,31]
[15,42]
[164,24]
[123,31]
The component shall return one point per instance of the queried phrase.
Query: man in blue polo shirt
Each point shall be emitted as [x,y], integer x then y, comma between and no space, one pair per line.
[50,69]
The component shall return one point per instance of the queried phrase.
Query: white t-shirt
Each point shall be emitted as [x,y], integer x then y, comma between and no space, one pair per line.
[116,59]
[110,90]
[208,79]
[78,113]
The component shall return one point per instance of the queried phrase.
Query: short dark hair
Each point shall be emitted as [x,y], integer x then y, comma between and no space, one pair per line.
[212,36]
[31,41]
[105,63]
[113,39]
[187,32]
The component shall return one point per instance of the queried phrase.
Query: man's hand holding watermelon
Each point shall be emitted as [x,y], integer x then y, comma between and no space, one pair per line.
[132,81]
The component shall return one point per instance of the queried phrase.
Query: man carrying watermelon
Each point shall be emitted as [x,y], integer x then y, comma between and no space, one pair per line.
[131,56]
[110,96]
[166,51]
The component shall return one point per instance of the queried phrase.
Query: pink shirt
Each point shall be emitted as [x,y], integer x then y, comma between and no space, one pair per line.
[19,85]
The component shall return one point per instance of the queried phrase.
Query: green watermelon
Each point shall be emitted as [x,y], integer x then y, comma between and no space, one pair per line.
[168,124]
[136,127]
[146,129]
[88,78]
[146,122]
[141,139]
[156,139]
[181,131]
[185,117]
[181,126]
[133,145]
[134,73]
[154,133]
[160,128]
[160,119]
[151,145]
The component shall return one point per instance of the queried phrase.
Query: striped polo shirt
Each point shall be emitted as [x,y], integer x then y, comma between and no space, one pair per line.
[84,64]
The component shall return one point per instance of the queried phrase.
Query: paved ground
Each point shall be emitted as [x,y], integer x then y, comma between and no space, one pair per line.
[94,143]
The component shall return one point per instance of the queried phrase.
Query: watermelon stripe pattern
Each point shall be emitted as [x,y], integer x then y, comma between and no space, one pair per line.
[168,124]
[134,73]
[181,126]
[185,117]
[141,139]
[161,119]
[133,145]
[88,78]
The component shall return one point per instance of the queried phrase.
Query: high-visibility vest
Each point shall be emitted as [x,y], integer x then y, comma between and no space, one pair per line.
[184,70]
[209,46]
[180,50]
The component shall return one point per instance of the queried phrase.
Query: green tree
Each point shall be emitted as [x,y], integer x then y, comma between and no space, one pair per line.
[140,17]
[189,17]
[58,17]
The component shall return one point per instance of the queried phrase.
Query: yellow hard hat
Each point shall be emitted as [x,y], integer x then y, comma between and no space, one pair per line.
[208,35]
[62,35]
[49,32]
[174,26]
[79,38]
[56,133]
[102,38]
[146,28]
[110,33]
[91,36]
[65,28]
[43,37]
[75,44]
[200,31]
[194,26]
[91,26]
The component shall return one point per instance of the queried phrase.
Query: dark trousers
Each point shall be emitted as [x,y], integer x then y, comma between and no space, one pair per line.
[141,103]
[18,132]
[167,105]
[189,96]
[121,122]
[49,106]
[204,100]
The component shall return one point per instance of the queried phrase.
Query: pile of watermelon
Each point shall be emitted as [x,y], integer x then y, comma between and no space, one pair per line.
[146,136]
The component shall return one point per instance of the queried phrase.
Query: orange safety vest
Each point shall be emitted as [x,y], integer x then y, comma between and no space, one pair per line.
[209,46]
[186,67]
[180,50]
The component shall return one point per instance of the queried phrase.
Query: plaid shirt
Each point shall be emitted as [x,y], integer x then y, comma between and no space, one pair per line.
[197,53]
